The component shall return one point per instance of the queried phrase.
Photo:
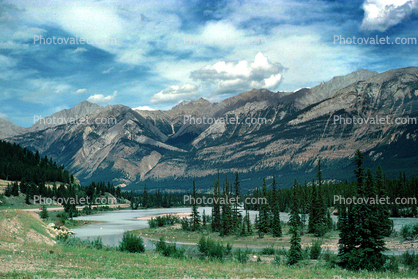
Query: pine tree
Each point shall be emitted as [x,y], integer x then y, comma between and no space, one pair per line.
[276,226]
[226,214]
[44,213]
[264,212]
[295,251]
[383,209]
[195,211]
[216,211]
[236,216]
[145,201]
[248,223]
[361,234]
[312,210]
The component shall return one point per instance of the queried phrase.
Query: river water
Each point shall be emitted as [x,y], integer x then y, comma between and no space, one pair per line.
[115,223]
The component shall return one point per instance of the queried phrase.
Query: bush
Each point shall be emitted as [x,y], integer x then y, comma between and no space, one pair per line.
[44,213]
[277,260]
[392,264]
[212,249]
[161,221]
[410,260]
[185,224]
[62,216]
[330,258]
[78,242]
[267,251]
[409,231]
[169,249]
[131,243]
[242,255]
[316,249]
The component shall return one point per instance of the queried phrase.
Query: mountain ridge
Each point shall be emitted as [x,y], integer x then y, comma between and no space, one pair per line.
[157,147]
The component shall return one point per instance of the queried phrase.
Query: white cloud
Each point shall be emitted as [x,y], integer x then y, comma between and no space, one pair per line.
[79,49]
[230,77]
[108,70]
[100,98]
[143,108]
[175,93]
[382,14]
[80,91]
[45,90]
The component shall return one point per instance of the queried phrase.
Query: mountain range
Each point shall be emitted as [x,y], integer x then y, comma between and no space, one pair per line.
[289,133]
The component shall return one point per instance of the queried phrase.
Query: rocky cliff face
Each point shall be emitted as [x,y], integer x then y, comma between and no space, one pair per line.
[289,132]
[8,129]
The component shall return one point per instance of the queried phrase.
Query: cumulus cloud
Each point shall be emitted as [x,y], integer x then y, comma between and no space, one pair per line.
[382,14]
[80,91]
[100,98]
[143,108]
[175,93]
[230,77]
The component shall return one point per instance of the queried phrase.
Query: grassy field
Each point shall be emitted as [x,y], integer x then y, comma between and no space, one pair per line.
[27,250]
[175,233]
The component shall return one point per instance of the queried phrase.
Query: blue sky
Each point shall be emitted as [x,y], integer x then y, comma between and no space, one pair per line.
[153,55]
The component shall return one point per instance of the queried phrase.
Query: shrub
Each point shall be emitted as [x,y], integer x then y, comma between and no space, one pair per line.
[277,260]
[78,242]
[409,231]
[44,213]
[392,264]
[161,221]
[410,260]
[267,251]
[316,249]
[169,249]
[131,243]
[242,255]
[330,258]
[62,216]
[185,224]
[212,249]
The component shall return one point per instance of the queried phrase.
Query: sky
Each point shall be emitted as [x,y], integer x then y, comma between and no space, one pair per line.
[154,54]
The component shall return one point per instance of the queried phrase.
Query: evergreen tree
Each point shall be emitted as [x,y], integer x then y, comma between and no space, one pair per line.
[383,209]
[226,215]
[248,223]
[236,216]
[44,213]
[264,212]
[195,212]
[275,226]
[216,211]
[312,210]
[361,243]
[295,251]
[145,201]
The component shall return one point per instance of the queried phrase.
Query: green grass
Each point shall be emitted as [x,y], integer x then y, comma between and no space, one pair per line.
[26,259]
[67,262]
[175,233]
